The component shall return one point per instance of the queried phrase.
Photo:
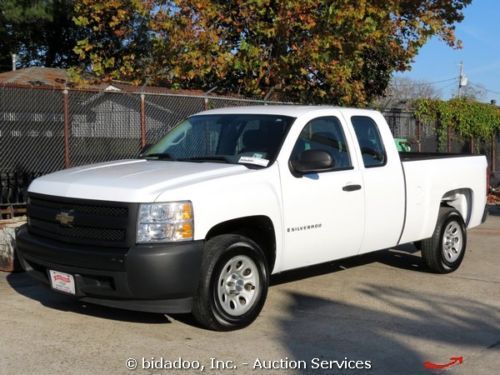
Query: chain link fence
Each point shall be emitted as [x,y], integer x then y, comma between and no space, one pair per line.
[45,130]
[424,137]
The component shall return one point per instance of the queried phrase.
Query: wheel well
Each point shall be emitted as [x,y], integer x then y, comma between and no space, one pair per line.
[460,199]
[259,229]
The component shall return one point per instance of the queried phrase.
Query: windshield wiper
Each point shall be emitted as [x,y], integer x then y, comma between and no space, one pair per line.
[207,158]
[159,155]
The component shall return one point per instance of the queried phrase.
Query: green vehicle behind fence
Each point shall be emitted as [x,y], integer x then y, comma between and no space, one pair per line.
[402,144]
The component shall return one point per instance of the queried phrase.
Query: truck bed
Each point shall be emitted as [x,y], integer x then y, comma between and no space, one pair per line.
[429,177]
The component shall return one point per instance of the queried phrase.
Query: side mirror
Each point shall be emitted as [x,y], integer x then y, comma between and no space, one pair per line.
[311,161]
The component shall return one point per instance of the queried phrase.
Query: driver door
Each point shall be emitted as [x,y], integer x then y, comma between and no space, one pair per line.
[323,212]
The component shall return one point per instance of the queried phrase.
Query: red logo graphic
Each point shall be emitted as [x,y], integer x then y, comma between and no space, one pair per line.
[453,361]
[62,278]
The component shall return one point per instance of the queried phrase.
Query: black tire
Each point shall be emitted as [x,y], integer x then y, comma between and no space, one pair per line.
[445,250]
[208,306]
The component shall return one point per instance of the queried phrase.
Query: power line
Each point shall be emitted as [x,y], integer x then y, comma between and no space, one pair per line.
[481,87]
[463,81]
[444,80]
[488,90]
[452,83]
[425,83]
[448,85]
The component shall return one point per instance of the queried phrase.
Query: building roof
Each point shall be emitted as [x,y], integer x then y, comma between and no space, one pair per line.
[55,78]
[35,77]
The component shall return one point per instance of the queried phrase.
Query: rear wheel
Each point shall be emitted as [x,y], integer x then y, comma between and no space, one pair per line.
[234,282]
[445,250]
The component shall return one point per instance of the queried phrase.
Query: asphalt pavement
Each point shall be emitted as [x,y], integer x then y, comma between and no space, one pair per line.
[382,313]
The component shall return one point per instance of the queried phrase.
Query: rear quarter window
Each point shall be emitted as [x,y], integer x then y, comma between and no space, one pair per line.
[369,140]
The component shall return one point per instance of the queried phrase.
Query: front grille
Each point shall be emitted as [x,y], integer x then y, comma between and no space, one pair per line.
[79,232]
[79,221]
[96,210]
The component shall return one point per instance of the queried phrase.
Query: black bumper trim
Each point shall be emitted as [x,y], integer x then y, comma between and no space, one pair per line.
[155,278]
[65,254]
[169,306]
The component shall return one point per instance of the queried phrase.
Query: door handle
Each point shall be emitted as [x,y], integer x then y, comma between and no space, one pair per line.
[351,187]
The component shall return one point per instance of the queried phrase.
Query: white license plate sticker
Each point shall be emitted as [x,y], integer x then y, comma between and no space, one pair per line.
[63,282]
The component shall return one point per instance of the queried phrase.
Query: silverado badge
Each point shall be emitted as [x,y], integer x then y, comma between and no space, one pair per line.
[65,218]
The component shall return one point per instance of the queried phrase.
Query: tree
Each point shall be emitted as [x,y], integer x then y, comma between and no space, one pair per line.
[401,91]
[16,21]
[475,92]
[39,32]
[58,36]
[339,52]
[117,44]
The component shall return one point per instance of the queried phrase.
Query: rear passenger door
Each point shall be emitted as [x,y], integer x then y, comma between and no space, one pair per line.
[383,187]
[324,213]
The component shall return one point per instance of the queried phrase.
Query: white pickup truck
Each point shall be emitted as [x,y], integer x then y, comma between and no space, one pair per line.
[229,196]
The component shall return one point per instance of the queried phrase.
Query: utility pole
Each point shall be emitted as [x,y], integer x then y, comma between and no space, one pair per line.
[462,79]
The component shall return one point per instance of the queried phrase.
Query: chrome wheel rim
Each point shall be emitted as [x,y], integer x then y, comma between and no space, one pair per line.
[238,285]
[452,241]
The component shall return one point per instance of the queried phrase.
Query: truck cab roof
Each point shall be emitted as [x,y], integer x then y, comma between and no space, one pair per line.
[283,110]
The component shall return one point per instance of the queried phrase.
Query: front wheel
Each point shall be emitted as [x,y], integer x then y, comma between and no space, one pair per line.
[233,284]
[445,250]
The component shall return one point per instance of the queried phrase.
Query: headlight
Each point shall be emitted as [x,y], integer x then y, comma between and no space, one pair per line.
[164,222]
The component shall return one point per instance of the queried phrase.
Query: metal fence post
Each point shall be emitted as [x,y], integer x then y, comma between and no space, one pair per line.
[493,152]
[66,131]
[206,101]
[143,121]
[448,138]
[419,141]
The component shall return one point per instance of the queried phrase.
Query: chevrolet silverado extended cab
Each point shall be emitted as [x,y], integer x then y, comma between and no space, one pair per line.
[229,196]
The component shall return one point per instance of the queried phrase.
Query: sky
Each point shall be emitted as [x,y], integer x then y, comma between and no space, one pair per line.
[480,35]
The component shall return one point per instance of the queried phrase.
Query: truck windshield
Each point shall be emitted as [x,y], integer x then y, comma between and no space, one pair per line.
[230,138]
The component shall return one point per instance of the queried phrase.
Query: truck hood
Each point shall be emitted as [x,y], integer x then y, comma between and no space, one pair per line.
[135,180]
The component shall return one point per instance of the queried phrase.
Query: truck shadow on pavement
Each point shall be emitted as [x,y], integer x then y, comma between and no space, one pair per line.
[395,329]
[494,209]
[28,287]
[401,257]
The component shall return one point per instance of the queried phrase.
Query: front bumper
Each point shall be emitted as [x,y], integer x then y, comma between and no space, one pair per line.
[158,278]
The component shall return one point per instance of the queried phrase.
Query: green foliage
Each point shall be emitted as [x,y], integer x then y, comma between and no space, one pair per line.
[116,42]
[39,32]
[467,118]
[336,52]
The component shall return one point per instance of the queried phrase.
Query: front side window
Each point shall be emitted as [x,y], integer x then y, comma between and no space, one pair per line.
[369,140]
[230,138]
[326,134]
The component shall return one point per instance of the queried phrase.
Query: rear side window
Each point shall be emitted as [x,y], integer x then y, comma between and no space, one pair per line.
[369,140]
[324,133]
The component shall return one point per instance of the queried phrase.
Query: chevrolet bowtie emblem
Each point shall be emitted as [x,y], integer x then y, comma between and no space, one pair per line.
[65,218]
